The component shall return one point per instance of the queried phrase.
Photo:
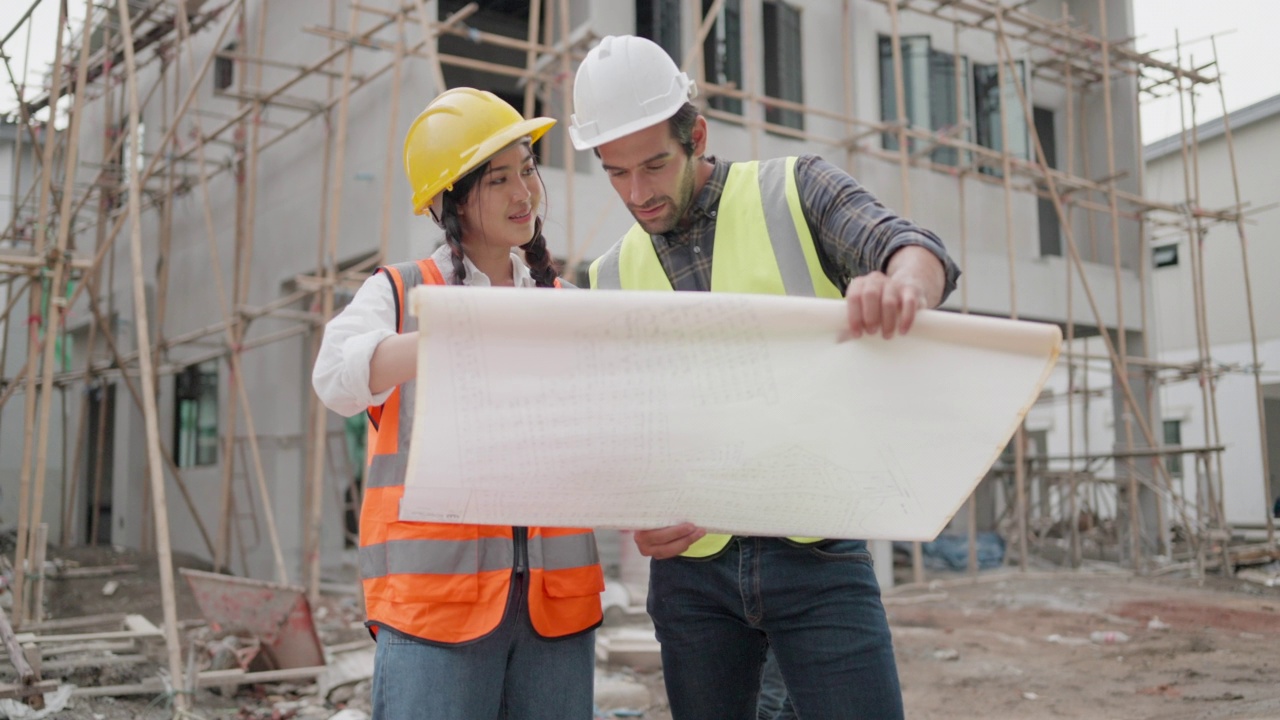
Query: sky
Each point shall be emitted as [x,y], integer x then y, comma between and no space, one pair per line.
[1249,52]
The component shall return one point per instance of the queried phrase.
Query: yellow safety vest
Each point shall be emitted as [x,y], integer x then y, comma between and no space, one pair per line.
[762,246]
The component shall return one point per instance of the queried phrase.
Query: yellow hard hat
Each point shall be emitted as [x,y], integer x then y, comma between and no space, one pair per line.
[460,130]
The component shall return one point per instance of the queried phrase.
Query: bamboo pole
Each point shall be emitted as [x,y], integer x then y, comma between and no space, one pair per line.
[1019,438]
[566,93]
[1072,481]
[165,556]
[432,50]
[900,111]
[971,504]
[1194,230]
[531,55]
[315,494]
[1122,330]
[1248,298]
[695,52]
[36,299]
[753,85]
[917,552]
[394,141]
[1211,388]
[41,545]
[846,70]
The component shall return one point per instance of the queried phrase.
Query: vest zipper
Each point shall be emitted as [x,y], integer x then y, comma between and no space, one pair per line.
[521,537]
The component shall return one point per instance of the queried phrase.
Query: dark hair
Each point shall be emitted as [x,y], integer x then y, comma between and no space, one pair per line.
[535,251]
[681,127]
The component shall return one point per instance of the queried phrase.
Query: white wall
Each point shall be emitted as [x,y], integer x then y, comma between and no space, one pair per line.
[1257,148]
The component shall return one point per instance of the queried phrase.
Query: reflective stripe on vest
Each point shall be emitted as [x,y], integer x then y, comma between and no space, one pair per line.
[449,582]
[762,245]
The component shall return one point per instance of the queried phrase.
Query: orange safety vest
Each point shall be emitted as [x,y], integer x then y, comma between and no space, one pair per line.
[449,582]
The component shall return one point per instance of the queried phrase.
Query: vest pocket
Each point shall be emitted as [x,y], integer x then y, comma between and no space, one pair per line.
[573,582]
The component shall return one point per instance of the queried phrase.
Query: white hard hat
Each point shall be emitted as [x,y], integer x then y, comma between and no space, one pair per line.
[625,84]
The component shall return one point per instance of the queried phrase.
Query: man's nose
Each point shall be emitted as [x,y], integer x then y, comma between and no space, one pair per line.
[640,190]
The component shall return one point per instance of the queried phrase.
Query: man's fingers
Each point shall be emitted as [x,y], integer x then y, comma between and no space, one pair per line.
[869,298]
[667,542]
[890,307]
[911,303]
[854,304]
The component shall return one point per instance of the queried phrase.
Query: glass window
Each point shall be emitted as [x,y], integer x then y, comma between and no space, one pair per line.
[1165,256]
[196,415]
[1173,436]
[915,83]
[929,94]
[722,54]
[783,75]
[990,100]
[659,21]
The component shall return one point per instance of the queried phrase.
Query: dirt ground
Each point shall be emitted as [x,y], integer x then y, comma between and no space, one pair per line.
[1011,645]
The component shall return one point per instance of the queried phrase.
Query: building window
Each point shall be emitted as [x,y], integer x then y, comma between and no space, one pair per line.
[224,69]
[990,100]
[195,427]
[783,76]
[930,99]
[722,54]
[659,21]
[1173,437]
[1050,231]
[1165,255]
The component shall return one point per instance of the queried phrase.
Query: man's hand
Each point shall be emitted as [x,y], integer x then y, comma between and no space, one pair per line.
[887,303]
[668,542]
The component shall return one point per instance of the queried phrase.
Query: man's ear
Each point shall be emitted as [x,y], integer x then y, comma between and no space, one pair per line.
[699,136]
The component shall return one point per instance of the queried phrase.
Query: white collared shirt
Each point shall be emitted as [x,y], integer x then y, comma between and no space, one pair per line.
[341,374]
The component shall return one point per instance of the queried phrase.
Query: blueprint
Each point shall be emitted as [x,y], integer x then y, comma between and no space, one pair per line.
[744,414]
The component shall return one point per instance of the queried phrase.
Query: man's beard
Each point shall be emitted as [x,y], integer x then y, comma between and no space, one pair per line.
[676,207]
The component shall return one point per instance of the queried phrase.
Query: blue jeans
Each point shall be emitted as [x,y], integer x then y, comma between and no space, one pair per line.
[774,703]
[510,673]
[817,606]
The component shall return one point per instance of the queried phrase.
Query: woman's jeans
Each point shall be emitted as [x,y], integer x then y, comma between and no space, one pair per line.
[818,607]
[510,673]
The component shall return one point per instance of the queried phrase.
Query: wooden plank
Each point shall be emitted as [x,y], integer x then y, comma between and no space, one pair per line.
[33,691]
[208,678]
[77,622]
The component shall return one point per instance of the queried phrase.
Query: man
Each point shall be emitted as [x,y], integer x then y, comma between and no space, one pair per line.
[795,226]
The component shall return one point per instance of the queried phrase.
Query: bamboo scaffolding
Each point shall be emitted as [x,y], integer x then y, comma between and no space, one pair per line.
[181,701]
[1057,51]
[1248,296]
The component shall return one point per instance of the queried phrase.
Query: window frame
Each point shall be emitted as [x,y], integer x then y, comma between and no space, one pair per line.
[783,45]
[195,415]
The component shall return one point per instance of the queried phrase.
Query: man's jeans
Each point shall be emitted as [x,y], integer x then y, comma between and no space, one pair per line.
[774,703]
[818,606]
[509,673]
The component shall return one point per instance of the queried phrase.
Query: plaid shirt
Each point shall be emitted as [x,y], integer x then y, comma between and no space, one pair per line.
[854,233]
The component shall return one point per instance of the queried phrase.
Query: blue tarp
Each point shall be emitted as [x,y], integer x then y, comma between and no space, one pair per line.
[951,552]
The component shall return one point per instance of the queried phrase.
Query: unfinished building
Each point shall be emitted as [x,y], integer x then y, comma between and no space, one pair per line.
[221,176]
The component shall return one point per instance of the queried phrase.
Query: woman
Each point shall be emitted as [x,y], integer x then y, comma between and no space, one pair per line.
[471,622]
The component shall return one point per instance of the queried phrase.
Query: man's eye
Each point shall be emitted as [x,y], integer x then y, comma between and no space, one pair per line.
[655,168]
